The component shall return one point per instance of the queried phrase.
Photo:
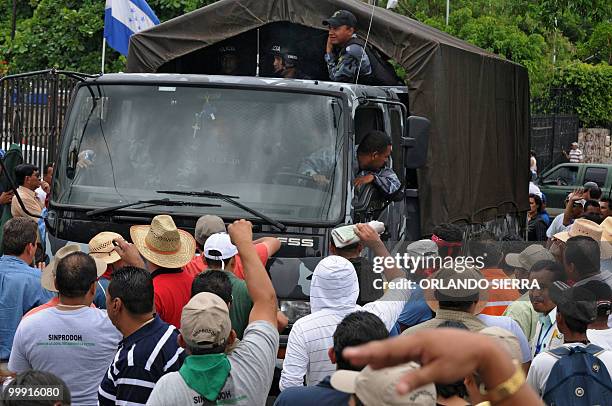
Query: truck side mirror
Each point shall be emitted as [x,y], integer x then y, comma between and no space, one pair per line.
[416,142]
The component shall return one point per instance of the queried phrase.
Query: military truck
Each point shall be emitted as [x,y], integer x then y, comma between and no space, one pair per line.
[174,136]
[137,145]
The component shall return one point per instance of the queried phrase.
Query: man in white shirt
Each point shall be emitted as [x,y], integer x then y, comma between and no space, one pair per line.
[599,332]
[72,340]
[333,295]
[576,308]
[575,155]
[563,221]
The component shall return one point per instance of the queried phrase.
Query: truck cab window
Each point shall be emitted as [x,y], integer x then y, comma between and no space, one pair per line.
[368,198]
[366,120]
[597,175]
[262,146]
[563,176]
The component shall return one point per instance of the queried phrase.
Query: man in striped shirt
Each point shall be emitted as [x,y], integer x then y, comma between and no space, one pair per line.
[149,348]
[333,295]
[575,155]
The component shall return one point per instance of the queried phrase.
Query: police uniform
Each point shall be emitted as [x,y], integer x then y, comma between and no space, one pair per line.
[355,58]
[344,66]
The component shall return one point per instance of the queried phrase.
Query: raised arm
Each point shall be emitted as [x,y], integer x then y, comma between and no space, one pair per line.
[258,283]
[569,207]
[370,238]
[273,244]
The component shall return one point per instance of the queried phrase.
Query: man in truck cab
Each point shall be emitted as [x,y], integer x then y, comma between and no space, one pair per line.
[369,164]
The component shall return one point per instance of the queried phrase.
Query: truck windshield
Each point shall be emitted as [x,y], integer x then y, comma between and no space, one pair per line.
[124,143]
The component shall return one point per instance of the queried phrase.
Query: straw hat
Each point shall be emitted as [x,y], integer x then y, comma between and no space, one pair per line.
[163,244]
[451,282]
[47,279]
[587,228]
[606,238]
[101,247]
[583,227]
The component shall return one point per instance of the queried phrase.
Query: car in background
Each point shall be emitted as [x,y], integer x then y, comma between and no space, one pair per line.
[559,181]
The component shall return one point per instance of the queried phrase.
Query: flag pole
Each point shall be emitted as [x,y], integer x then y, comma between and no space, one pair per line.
[103,52]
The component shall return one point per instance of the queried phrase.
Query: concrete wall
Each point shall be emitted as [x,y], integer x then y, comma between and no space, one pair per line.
[595,145]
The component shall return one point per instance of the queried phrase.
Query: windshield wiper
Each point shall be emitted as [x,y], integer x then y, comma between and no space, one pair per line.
[229,199]
[154,202]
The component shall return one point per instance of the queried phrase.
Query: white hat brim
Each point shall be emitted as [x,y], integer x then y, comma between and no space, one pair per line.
[562,236]
[47,279]
[107,258]
[344,381]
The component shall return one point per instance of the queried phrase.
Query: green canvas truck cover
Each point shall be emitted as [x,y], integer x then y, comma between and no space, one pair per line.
[478,102]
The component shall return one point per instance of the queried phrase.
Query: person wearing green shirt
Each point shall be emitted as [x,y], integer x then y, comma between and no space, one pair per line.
[219,254]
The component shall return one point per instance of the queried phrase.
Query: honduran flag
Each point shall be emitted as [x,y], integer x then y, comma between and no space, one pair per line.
[122,18]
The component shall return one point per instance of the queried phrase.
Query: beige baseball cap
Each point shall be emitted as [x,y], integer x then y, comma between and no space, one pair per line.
[207,226]
[378,388]
[508,340]
[527,258]
[205,321]
[448,278]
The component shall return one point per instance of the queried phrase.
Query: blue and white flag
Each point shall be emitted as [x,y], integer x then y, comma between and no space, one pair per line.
[122,18]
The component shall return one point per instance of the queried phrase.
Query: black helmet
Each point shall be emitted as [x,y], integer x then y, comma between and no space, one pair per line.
[289,57]
[227,49]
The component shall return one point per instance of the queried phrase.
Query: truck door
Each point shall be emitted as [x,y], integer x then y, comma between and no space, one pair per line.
[369,204]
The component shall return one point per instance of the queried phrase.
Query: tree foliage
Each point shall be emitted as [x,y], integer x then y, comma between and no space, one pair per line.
[549,37]
[591,86]
[67,34]
[560,42]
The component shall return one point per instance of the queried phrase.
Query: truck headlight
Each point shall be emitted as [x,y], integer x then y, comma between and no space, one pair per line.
[295,309]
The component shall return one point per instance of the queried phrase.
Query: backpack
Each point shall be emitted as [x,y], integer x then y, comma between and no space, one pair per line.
[578,378]
[383,74]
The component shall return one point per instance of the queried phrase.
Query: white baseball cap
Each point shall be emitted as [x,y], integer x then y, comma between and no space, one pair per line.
[219,242]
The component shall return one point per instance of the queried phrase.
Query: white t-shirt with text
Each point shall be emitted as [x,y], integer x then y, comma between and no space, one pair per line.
[75,345]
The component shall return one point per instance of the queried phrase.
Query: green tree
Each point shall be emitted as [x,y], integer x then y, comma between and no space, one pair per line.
[591,83]
[598,48]
[67,34]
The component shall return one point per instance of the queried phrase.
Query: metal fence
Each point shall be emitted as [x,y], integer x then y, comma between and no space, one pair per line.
[33,107]
[550,136]
[554,125]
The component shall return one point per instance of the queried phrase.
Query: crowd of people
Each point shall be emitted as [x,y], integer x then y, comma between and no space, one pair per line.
[587,202]
[173,319]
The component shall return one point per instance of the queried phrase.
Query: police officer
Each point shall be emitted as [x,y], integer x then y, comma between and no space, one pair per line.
[286,63]
[345,53]
[228,60]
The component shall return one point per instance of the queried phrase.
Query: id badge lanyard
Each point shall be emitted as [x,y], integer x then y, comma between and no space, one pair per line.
[541,339]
